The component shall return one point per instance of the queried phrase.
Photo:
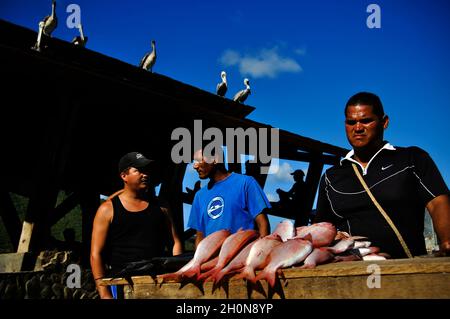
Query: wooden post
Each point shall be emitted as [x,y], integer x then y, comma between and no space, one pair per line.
[25,237]
[41,203]
[312,183]
[254,170]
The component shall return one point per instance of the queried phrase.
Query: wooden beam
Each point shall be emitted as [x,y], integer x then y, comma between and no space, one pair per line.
[25,237]
[399,278]
[41,203]
[10,218]
[254,170]
[312,183]
[293,154]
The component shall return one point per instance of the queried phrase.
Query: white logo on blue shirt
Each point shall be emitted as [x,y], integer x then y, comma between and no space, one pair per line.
[215,207]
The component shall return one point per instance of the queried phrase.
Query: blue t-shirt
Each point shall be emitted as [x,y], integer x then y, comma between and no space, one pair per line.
[230,204]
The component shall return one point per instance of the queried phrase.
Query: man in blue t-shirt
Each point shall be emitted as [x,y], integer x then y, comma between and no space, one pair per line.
[230,201]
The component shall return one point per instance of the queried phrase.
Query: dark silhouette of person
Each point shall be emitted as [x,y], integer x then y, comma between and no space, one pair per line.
[254,170]
[294,200]
[191,192]
[70,243]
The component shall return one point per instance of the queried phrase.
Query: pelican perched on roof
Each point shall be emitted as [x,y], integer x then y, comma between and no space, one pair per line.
[81,39]
[148,61]
[222,86]
[49,23]
[242,95]
[37,45]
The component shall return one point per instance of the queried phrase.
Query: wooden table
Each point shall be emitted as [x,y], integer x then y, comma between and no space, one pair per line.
[400,278]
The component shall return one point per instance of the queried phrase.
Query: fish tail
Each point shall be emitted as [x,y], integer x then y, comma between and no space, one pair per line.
[270,277]
[193,272]
[261,276]
[217,277]
[266,275]
[207,275]
[247,274]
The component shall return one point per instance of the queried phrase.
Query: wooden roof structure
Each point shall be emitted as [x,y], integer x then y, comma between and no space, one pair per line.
[70,113]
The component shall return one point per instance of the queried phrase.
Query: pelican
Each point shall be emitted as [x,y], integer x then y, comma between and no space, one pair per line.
[49,23]
[242,95]
[37,45]
[148,61]
[222,86]
[81,39]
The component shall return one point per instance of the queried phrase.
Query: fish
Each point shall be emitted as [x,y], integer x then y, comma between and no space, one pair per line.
[210,264]
[369,250]
[175,276]
[373,257]
[285,230]
[235,265]
[322,234]
[362,244]
[285,255]
[341,235]
[345,244]
[230,248]
[318,256]
[257,257]
[207,248]
[342,245]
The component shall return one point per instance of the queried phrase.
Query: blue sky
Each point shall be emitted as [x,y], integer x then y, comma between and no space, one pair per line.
[304,59]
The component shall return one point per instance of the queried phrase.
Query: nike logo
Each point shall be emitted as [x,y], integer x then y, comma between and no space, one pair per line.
[383,168]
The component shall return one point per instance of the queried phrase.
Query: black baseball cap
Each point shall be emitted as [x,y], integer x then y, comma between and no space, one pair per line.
[134,159]
[298,172]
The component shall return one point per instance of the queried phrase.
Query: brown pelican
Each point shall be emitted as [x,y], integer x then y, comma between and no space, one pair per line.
[222,86]
[149,59]
[81,39]
[37,45]
[49,23]
[242,95]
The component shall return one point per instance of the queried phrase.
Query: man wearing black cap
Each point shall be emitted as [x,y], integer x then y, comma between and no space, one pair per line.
[293,200]
[132,224]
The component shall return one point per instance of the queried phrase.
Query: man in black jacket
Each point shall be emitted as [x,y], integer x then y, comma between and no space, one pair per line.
[404,181]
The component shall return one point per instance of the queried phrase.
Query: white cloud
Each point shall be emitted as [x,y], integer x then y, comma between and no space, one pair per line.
[272,197]
[266,63]
[281,174]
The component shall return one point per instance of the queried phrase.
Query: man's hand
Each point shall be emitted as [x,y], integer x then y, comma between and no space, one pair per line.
[444,250]
[439,209]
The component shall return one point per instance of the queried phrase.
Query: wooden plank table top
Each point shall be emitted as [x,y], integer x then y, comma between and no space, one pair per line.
[399,278]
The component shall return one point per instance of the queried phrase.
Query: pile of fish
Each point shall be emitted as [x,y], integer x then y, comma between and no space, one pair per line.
[222,254]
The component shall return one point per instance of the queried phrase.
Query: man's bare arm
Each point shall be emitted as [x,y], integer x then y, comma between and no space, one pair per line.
[262,223]
[102,221]
[177,248]
[439,209]
[198,238]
